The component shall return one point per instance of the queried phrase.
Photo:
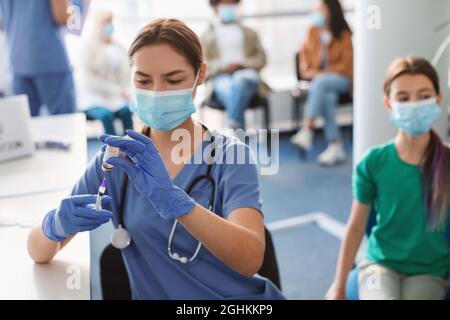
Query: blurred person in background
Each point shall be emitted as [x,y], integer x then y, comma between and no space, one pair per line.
[235,57]
[104,75]
[326,59]
[36,53]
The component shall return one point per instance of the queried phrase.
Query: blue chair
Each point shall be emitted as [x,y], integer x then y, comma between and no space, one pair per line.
[351,288]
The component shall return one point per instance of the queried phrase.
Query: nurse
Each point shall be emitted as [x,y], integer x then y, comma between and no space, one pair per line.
[147,189]
[37,57]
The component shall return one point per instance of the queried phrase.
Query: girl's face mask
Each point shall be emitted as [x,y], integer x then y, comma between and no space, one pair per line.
[417,117]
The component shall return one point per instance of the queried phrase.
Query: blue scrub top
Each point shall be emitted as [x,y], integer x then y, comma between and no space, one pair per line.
[35,42]
[153,274]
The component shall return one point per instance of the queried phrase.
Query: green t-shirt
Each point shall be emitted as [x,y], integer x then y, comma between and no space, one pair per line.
[399,240]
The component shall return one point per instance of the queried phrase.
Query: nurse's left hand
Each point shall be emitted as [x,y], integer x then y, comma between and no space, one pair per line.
[149,175]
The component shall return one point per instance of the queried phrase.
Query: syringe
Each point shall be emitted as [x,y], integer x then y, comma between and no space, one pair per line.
[101,193]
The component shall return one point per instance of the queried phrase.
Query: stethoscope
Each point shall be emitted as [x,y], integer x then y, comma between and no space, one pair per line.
[121,238]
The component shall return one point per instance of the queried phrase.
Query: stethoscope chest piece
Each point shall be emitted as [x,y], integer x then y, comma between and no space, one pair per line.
[120,238]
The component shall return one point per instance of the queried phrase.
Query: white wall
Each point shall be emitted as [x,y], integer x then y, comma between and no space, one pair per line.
[407,27]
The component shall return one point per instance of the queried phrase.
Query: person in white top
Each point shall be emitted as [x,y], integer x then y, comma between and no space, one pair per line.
[104,75]
[235,56]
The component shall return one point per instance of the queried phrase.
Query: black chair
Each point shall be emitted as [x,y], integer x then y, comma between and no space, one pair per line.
[113,275]
[116,286]
[257,102]
[300,93]
[269,269]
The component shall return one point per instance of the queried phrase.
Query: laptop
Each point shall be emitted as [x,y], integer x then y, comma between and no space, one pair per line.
[15,129]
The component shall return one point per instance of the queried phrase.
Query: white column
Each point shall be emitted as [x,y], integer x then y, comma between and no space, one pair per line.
[404,27]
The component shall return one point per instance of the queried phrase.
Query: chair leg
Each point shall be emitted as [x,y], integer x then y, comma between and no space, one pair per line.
[268,123]
[296,113]
[302,154]
[267,118]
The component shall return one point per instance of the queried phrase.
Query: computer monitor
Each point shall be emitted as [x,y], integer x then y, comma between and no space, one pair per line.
[15,129]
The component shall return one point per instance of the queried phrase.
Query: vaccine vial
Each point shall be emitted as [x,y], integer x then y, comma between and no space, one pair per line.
[109,153]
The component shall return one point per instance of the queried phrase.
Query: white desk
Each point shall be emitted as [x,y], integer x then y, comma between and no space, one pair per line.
[26,196]
[48,170]
[20,277]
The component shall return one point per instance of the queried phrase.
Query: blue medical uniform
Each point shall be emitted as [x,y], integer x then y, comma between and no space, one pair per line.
[38,59]
[152,273]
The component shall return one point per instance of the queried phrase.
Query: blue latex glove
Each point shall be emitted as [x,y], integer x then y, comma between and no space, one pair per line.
[75,214]
[149,175]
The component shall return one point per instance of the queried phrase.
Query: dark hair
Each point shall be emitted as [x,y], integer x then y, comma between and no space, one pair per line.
[214,3]
[174,33]
[435,162]
[337,20]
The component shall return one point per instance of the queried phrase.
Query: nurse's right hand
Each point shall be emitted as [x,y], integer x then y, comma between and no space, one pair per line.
[75,214]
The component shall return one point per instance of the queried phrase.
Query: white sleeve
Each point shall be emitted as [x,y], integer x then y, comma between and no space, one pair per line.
[89,75]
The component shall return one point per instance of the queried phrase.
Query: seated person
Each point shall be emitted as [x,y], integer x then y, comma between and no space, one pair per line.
[235,56]
[407,180]
[104,75]
[326,58]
